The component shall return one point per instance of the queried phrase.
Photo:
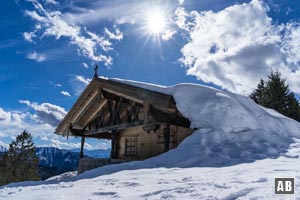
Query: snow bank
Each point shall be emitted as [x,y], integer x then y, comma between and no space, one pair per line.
[245,181]
[63,176]
[231,128]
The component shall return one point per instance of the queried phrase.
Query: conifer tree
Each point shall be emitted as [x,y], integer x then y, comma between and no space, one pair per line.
[275,94]
[20,162]
[293,110]
[259,94]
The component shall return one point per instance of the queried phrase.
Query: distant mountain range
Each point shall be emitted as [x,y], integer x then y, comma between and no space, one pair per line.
[2,149]
[54,161]
[96,153]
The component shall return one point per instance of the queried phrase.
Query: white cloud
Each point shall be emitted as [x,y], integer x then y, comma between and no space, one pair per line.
[180,2]
[83,80]
[46,112]
[65,93]
[85,65]
[12,123]
[118,35]
[105,44]
[181,18]
[237,46]
[36,56]
[167,35]
[63,143]
[43,138]
[105,144]
[28,36]
[52,2]
[55,84]
[54,23]
[4,115]
[79,83]
[120,11]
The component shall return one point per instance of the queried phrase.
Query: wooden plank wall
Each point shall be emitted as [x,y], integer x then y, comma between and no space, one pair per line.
[149,144]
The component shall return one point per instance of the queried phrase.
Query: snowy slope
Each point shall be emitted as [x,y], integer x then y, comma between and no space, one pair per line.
[244,181]
[238,149]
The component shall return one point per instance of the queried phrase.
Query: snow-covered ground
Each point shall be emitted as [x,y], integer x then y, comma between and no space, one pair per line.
[243,181]
[237,151]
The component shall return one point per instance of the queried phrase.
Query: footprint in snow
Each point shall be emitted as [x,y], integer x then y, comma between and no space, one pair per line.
[130,184]
[105,193]
[261,180]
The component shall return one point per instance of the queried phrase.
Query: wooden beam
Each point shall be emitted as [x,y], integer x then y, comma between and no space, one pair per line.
[146,109]
[113,144]
[89,103]
[100,95]
[63,126]
[106,129]
[136,93]
[106,135]
[92,111]
[166,131]
[171,118]
[82,146]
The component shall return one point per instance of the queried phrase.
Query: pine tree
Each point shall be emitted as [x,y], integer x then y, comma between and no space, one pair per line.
[275,94]
[293,110]
[20,162]
[4,169]
[259,94]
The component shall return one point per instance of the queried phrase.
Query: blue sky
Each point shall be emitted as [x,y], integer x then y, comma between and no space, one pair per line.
[48,50]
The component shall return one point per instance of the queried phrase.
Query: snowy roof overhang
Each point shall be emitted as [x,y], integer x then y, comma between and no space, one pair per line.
[100,98]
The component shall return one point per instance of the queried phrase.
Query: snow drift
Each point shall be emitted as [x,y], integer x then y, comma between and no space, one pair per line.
[231,129]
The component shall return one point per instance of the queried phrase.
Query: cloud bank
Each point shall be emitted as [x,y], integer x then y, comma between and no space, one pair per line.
[47,112]
[12,123]
[235,47]
[53,23]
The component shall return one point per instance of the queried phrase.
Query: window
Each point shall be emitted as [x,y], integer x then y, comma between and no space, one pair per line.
[130,146]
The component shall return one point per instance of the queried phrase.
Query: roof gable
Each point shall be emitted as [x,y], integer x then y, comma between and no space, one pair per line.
[102,97]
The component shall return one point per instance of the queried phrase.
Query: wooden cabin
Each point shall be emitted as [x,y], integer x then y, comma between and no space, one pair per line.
[139,122]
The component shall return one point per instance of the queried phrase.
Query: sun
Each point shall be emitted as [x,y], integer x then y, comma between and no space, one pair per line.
[155,22]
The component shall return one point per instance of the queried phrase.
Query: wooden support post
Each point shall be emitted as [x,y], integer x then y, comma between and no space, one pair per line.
[113,153]
[82,145]
[166,131]
[146,112]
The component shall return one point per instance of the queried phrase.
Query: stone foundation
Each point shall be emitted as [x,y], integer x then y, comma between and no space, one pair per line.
[92,163]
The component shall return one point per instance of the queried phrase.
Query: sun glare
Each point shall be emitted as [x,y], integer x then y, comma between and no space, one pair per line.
[155,22]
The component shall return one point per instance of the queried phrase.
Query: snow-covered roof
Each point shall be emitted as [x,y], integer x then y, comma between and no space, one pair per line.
[95,97]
